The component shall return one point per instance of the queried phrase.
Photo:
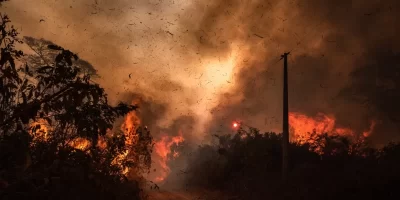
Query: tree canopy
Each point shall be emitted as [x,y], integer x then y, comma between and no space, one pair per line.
[56,127]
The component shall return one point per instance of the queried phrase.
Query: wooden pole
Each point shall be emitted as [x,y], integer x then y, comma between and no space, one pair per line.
[285,122]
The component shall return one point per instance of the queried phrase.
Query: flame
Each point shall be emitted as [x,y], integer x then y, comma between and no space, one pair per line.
[102,143]
[42,132]
[235,124]
[302,124]
[80,143]
[129,128]
[162,149]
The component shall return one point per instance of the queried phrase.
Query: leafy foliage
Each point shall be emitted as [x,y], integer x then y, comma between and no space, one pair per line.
[45,52]
[56,128]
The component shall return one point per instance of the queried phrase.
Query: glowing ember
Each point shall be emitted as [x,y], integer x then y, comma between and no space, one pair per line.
[39,129]
[175,154]
[80,143]
[102,143]
[235,124]
[371,128]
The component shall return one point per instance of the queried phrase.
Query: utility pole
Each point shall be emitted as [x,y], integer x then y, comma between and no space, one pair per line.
[285,122]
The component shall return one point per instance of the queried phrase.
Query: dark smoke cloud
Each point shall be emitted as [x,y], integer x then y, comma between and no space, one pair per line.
[328,39]
[150,112]
[170,46]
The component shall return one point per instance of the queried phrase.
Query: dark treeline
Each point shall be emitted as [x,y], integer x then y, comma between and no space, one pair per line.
[248,164]
[56,128]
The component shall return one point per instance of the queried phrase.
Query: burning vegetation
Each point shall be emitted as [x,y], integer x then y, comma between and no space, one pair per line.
[163,152]
[60,137]
[302,125]
[57,130]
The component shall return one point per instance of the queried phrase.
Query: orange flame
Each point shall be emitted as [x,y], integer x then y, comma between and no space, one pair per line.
[102,143]
[129,128]
[302,124]
[163,149]
[80,143]
[42,131]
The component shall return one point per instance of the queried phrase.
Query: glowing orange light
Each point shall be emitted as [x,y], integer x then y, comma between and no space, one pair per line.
[162,149]
[235,124]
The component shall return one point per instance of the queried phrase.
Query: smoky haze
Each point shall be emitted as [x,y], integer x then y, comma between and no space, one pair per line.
[198,65]
[328,40]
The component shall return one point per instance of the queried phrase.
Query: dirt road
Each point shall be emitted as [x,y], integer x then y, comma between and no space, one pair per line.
[178,195]
[164,195]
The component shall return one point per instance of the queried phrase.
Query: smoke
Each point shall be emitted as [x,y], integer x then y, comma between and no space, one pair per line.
[196,66]
[328,41]
[136,47]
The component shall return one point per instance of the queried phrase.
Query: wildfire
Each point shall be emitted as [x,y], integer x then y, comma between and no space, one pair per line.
[39,129]
[302,124]
[163,149]
[80,143]
[129,128]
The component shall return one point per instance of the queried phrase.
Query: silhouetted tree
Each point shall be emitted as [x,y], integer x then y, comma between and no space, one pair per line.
[56,128]
[43,56]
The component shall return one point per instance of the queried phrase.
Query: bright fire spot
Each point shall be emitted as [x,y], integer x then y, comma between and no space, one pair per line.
[162,149]
[235,124]
[301,125]
[129,128]
[80,143]
[39,129]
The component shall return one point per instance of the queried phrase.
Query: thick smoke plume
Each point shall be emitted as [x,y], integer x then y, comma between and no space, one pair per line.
[196,66]
[328,40]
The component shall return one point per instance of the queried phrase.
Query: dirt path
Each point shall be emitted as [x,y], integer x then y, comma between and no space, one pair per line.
[166,195]
[178,195]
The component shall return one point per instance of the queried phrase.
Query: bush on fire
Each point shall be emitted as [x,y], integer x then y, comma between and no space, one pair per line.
[56,138]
